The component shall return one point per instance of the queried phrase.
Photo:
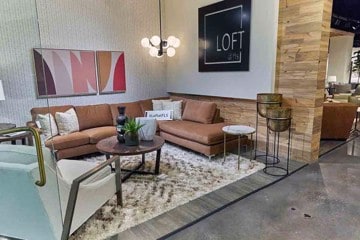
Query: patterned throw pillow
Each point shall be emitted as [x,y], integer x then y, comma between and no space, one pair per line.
[67,122]
[47,125]
[158,104]
[175,106]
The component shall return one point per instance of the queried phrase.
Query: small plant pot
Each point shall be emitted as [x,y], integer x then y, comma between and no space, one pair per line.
[131,139]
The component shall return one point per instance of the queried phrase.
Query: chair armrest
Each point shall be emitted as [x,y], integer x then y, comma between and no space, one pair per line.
[33,125]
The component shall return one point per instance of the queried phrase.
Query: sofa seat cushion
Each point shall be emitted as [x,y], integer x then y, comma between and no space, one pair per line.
[68,141]
[207,134]
[99,133]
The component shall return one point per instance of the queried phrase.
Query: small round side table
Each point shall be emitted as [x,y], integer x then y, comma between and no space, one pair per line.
[238,130]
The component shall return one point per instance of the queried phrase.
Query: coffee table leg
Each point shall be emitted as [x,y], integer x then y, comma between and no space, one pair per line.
[143,158]
[118,182]
[157,163]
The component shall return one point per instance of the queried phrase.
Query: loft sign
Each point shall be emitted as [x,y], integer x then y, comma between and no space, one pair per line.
[224,36]
[229,42]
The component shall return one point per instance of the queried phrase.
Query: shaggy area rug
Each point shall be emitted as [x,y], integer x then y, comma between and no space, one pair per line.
[185,176]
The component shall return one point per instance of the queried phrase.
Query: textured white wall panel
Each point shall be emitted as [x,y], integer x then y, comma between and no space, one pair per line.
[76,24]
[183,75]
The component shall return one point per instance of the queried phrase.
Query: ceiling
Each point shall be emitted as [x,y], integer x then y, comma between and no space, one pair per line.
[346,17]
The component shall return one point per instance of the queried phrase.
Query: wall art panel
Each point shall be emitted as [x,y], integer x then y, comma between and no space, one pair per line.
[111,71]
[61,72]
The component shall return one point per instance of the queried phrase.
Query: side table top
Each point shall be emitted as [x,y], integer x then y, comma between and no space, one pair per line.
[15,136]
[4,126]
[112,146]
[238,129]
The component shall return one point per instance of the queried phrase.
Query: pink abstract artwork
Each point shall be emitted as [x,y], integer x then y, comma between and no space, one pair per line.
[65,72]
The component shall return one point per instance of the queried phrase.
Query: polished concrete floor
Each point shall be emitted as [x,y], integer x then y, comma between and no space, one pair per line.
[321,201]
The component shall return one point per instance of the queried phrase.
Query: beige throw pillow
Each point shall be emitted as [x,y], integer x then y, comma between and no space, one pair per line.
[175,106]
[47,125]
[158,104]
[67,122]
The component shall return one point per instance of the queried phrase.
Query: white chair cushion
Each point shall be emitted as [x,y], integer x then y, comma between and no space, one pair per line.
[71,169]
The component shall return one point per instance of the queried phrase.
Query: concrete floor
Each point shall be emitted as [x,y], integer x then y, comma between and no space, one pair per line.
[321,201]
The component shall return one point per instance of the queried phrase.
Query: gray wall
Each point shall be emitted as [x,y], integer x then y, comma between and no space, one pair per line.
[80,24]
[339,60]
[182,71]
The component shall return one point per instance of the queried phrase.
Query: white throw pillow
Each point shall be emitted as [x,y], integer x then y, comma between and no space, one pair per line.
[67,122]
[176,106]
[158,104]
[47,125]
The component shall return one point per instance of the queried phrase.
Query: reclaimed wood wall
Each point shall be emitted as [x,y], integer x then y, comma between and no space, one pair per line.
[303,39]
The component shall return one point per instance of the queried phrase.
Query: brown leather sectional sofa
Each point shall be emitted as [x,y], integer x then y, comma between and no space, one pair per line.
[200,128]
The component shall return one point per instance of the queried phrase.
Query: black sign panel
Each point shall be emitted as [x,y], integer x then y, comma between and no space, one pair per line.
[224,36]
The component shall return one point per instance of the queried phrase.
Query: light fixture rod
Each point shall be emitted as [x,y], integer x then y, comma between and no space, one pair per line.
[157,45]
[161,50]
[160,18]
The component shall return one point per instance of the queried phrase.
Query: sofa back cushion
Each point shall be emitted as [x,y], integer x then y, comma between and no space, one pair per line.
[145,105]
[52,110]
[132,110]
[199,111]
[94,116]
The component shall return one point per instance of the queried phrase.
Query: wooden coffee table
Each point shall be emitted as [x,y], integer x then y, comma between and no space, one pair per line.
[111,146]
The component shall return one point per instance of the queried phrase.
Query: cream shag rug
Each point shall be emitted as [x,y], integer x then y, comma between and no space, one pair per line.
[185,176]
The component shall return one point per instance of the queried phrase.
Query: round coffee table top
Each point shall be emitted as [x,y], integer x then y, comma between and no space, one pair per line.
[238,129]
[112,146]
[4,126]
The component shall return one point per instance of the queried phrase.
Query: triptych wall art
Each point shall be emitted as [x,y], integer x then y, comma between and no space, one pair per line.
[62,72]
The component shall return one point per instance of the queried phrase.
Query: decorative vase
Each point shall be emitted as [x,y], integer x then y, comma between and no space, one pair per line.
[131,139]
[147,132]
[121,120]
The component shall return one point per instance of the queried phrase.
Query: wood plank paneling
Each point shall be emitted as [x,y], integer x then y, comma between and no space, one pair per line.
[303,38]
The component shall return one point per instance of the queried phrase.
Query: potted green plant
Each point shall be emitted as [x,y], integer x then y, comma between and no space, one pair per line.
[131,129]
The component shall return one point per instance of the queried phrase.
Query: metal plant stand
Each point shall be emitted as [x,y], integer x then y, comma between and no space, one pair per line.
[278,120]
[265,100]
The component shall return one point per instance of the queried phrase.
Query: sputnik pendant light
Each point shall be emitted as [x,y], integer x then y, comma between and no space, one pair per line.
[159,46]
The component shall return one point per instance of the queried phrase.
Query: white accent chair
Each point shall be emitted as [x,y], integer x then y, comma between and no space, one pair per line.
[34,212]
